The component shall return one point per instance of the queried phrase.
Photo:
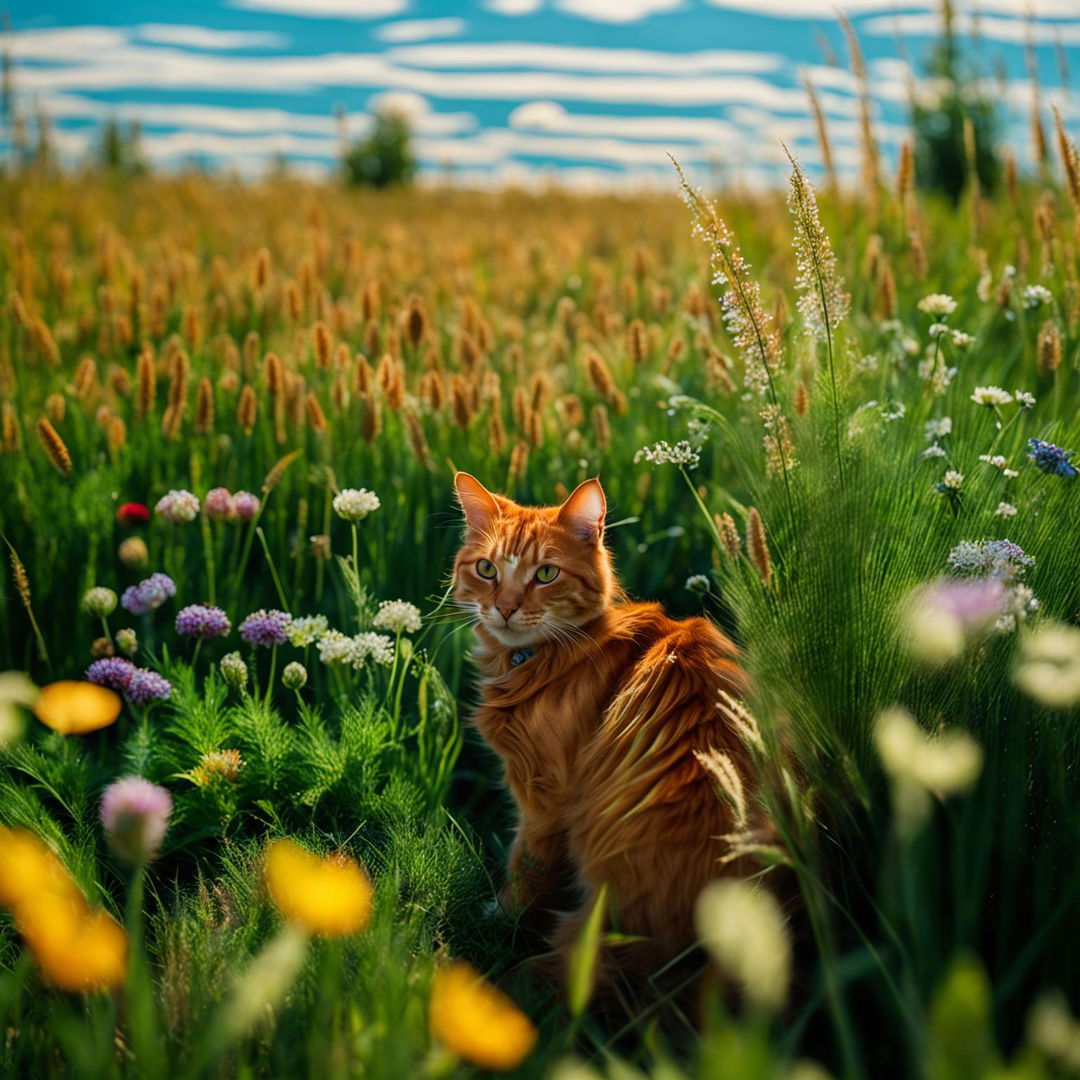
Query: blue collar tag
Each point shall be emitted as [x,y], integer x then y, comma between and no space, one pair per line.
[519,656]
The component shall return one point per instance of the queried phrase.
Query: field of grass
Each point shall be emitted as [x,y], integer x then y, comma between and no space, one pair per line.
[840,460]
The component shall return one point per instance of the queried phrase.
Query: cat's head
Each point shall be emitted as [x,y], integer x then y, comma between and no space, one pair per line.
[533,573]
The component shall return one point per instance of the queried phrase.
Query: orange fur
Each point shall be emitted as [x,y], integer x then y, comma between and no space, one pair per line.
[599,726]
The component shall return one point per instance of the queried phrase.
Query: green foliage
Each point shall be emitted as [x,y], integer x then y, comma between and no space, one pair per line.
[384,158]
[119,153]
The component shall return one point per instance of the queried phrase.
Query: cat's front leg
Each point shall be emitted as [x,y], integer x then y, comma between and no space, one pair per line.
[537,871]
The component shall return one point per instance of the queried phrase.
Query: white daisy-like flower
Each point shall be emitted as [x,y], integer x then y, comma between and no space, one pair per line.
[354,504]
[378,647]
[934,429]
[1024,399]
[952,480]
[397,616]
[937,304]
[1005,510]
[990,396]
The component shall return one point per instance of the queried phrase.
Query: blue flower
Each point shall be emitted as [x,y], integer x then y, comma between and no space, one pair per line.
[1051,458]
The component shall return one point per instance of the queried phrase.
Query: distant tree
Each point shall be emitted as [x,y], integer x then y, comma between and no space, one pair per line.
[943,152]
[119,151]
[384,157]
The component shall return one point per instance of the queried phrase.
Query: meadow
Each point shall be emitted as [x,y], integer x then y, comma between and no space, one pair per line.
[231,414]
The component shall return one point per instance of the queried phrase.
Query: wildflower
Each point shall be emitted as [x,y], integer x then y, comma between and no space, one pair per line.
[113,672]
[1051,459]
[294,676]
[245,506]
[178,507]
[354,504]
[682,454]
[148,595]
[135,814]
[397,616]
[936,429]
[938,330]
[16,692]
[1055,1032]
[941,617]
[951,482]
[990,558]
[1048,668]
[378,647]
[132,513]
[1024,399]
[1034,295]
[265,982]
[127,641]
[101,647]
[306,630]
[991,396]
[55,448]
[934,451]
[234,671]
[729,534]
[330,896]
[202,621]
[743,929]
[336,648]
[146,686]
[219,504]
[997,460]
[697,583]
[920,766]
[476,1021]
[99,602]
[28,869]
[937,304]
[1005,510]
[961,340]
[217,765]
[76,708]
[134,553]
[265,628]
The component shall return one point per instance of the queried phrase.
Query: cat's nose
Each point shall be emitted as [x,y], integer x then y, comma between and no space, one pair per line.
[506,612]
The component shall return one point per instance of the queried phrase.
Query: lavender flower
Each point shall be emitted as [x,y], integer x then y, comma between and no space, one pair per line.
[266,628]
[202,621]
[178,507]
[135,814]
[113,672]
[989,558]
[1051,459]
[146,686]
[246,505]
[148,595]
[219,504]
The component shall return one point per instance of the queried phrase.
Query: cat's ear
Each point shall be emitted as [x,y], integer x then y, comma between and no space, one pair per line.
[477,503]
[583,513]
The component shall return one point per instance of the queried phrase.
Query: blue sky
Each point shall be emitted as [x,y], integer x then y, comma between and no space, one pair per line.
[597,91]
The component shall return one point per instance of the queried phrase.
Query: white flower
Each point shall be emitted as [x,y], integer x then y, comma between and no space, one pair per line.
[952,480]
[996,460]
[1009,473]
[937,304]
[397,616]
[1024,399]
[378,647]
[895,410]
[991,395]
[336,648]
[938,329]
[960,339]
[933,451]
[354,504]
[307,630]
[934,429]
[178,507]
[1005,510]
[1049,665]
[662,453]
[1034,295]
[697,583]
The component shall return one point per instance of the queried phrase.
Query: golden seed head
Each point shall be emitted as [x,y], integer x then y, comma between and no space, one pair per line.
[636,344]
[22,578]
[273,477]
[261,273]
[245,409]
[416,437]
[272,374]
[757,546]
[145,382]
[117,432]
[43,343]
[323,343]
[1049,347]
[10,432]
[316,416]
[54,447]
[204,407]
[85,377]
[519,460]
[802,399]
[56,408]
[600,375]
[370,418]
[496,433]
[415,322]
[728,533]
[461,401]
[601,426]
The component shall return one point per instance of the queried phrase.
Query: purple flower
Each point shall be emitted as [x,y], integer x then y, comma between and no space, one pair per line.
[202,621]
[113,672]
[246,505]
[971,603]
[266,627]
[135,814]
[219,504]
[1051,458]
[148,595]
[145,686]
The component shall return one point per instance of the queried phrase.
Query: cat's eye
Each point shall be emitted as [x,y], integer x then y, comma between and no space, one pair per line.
[486,569]
[546,574]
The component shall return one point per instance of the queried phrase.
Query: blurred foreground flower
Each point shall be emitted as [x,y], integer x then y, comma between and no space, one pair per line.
[16,692]
[477,1022]
[921,766]
[134,553]
[941,618]
[132,513]
[1048,668]
[28,868]
[135,814]
[330,896]
[219,505]
[245,505]
[743,928]
[76,708]
[1054,1031]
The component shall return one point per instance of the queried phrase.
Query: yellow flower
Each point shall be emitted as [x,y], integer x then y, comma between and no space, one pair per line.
[75,708]
[330,896]
[477,1022]
[28,869]
[77,949]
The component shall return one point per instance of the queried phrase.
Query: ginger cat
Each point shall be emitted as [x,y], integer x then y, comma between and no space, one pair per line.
[597,706]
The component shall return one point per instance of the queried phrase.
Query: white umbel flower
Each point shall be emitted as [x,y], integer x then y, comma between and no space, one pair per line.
[397,616]
[937,304]
[354,504]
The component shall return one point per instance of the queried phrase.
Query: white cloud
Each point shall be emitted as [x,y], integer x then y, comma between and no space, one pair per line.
[65,42]
[525,55]
[826,9]
[200,37]
[419,114]
[327,9]
[989,27]
[550,117]
[616,11]
[420,29]
[514,8]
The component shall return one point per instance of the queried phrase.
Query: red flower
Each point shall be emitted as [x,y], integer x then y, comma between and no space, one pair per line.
[133,514]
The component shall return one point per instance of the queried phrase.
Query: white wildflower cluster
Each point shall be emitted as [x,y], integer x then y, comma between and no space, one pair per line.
[893,410]
[354,504]
[338,649]
[991,396]
[697,583]
[1005,510]
[662,453]
[397,616]
[999,462]
[1035,295]
[1024,399]
[934,451]
[952,480]
[306,630]
[960,339]
[937,428]
[938,305]
[938,330]
[936,374]
[999,561]
[178,507]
